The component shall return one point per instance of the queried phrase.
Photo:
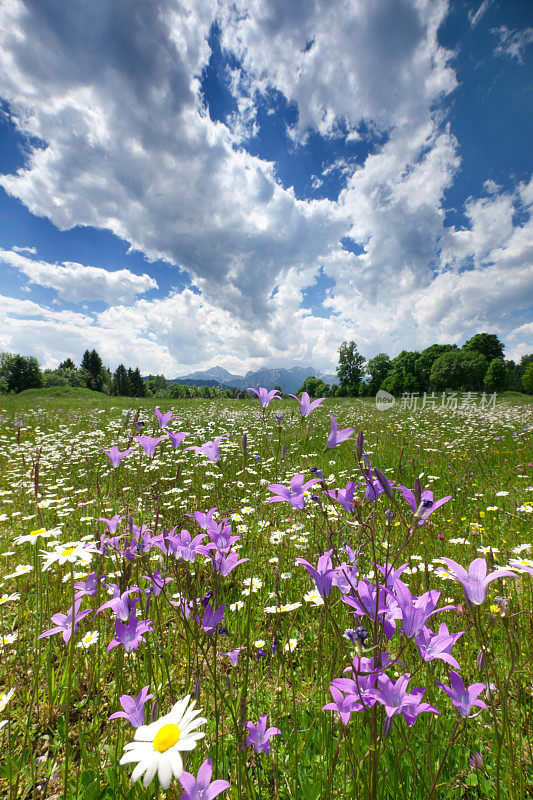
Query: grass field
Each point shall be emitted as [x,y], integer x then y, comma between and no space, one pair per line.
[288,635]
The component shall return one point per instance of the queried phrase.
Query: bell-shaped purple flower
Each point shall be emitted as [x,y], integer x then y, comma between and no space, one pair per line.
[294,493]
[322,574]
[265,397]
[164,419]
[149,443]
[115,456]
[463,698]
[306,406]
[259,735]
[475,581]
[177,438]
[201,787]
[65,624]
[394,696]
[336,435]
[133,708]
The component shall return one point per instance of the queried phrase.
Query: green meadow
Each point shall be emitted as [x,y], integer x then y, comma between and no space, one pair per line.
[288,638]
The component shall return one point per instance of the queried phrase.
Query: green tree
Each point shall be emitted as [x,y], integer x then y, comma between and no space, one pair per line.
[121,383]
[54,377]
[425,361]
[377,368]
[24,373]
[350,368]
[93,366]
[177,390]
[314,387]
[136,382]
[527,379]
[487,344]
[458,370]
[67,365]
[496,376]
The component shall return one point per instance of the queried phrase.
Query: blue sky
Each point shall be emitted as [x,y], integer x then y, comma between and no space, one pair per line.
[251,183]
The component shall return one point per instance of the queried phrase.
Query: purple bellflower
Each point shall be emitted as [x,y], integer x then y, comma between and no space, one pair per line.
[322,574]
[416,610]
[345,577]
[475,581]
[115,456]
[265,397]
[203,518]
[184,546]
[337,436]
[133,708]
[294,493]
[426,506]
[437,645]
[463,698]
[344,705]
[209,449]
[89,587]
[157,582]
[372,600]
[112,524]
[306,406]
[65,624]
[149,443]
[233,655]
[121,604]
[129,634]
[201,788]
[224,564]
[374,488]
[396,700]
[344,496]
[164,419]
[221,538]
[259,735]
[177,438]
[211,619]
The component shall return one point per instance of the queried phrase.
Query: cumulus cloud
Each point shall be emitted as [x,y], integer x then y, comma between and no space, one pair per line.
[77,283]
[129,146]
[109,96]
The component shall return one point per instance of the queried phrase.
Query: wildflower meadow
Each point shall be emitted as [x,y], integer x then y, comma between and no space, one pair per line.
[265,598]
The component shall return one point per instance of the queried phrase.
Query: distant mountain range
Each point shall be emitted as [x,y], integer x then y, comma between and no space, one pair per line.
[290,380]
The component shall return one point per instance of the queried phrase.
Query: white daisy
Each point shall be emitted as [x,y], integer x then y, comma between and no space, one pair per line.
[156,747]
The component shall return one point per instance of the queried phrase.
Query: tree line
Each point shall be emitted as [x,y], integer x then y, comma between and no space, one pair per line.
[478,365]
[18,372]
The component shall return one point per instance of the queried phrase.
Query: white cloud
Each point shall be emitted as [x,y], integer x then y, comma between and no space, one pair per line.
[131,149]
[344,62]
[113,93]
[29,250]
[475,16]
[512,43]
[77,283]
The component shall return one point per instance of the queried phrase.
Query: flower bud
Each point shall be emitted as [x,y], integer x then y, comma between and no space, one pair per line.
[359,443]
[244,443]
[384,483]
[417,490]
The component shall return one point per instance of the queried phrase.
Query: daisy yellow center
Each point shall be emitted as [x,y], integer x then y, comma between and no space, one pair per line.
[166,737]
[68,551]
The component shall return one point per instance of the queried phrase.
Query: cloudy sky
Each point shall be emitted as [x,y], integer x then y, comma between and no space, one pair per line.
[186,183]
